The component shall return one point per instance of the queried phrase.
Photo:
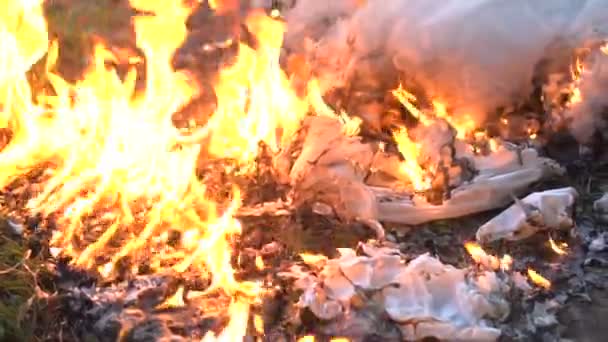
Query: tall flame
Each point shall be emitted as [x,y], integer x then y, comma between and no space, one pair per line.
[114,151]
[256,102]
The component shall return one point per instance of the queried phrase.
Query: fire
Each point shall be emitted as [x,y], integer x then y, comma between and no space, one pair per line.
[256,102]
[410,152]
[313,259]
[575,96]
[114,152]
[406,99]
[577,70]
[462,125]
[258,324]
[558,248]
[259,263]
[224,6]
[351,126]
[486,260]
[538,279]
[175,301]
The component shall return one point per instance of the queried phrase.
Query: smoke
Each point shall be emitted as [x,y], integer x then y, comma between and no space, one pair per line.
[589,114]
[473,55]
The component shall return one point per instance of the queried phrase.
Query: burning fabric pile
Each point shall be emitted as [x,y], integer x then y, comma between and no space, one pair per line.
[149,177]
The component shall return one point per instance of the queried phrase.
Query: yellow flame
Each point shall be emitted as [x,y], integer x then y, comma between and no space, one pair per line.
[114,150]
[410,152]
[258,324]
[575,96]
[406,99]
[313,259]
[175,301]
[307,338]
[558,248]
[463,125]
[255,100]
[479,255]
[604,48]
[538,279]
[236,329]
[351,126]
[494,145]
[224,6]
[259,263]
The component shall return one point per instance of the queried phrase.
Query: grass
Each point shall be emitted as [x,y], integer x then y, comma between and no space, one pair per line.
[17,288]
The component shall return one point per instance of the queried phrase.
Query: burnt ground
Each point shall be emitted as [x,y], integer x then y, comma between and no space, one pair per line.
[56,302]
[42,299]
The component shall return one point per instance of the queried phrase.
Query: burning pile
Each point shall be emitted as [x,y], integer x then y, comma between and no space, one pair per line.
[121,181]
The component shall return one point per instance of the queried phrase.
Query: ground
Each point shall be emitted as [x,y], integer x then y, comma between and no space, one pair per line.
[25,313]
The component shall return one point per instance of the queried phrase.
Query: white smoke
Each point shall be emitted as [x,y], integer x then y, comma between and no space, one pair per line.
[590,114]
[474,55]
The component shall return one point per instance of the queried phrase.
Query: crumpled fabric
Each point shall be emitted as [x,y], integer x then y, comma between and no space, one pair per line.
[425,297]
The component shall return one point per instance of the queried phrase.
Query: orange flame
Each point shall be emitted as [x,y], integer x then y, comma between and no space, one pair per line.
[463,125]
[538,279]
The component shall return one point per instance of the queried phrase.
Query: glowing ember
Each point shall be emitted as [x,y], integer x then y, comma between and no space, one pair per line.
[558,248]
[538,279]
